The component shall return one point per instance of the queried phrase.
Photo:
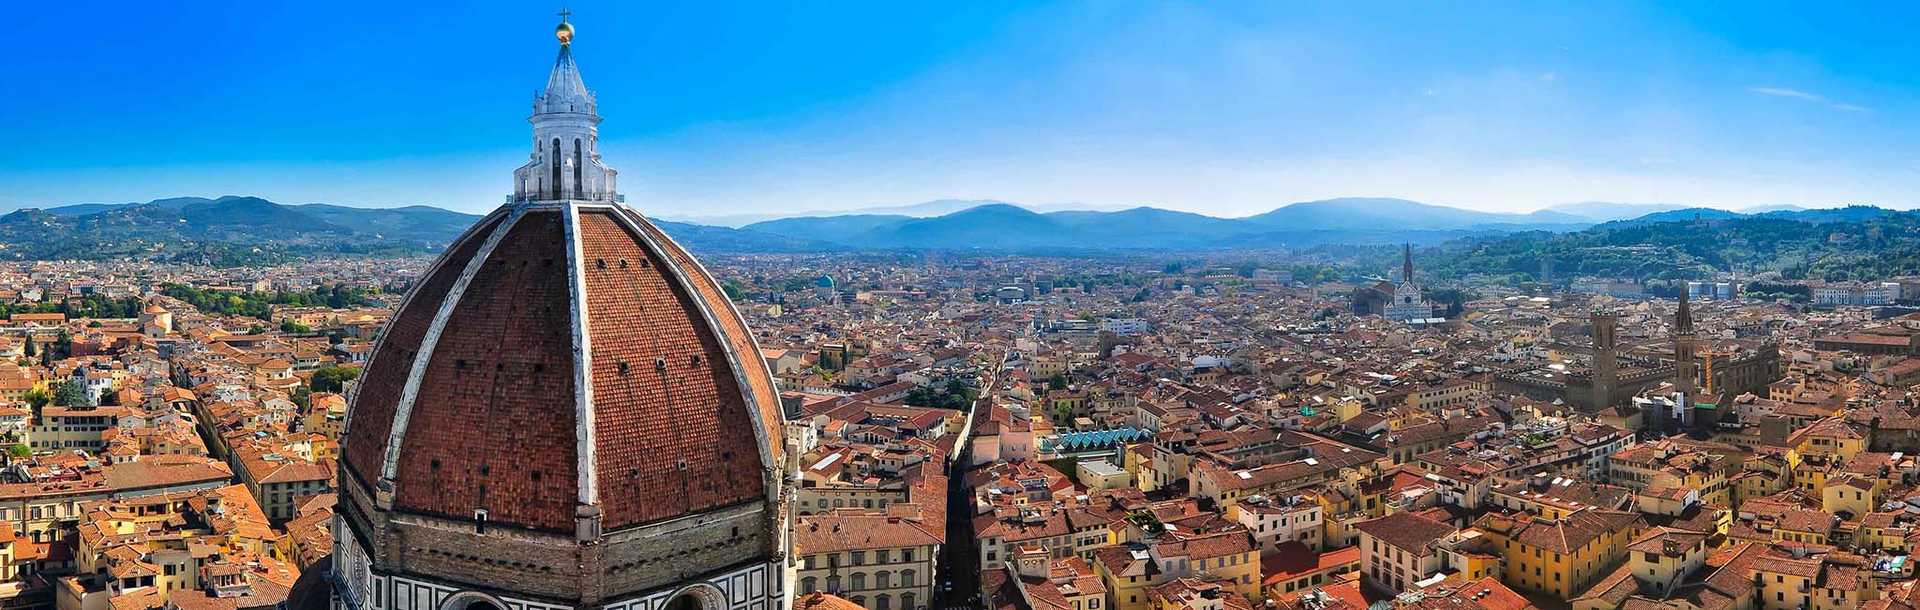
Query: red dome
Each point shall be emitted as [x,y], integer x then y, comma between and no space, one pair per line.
[565,360]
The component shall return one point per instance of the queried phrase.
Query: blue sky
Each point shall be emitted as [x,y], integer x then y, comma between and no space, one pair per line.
[1221,108]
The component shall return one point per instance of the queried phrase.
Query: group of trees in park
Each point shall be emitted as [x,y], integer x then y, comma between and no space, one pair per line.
[260,304]
[954,394]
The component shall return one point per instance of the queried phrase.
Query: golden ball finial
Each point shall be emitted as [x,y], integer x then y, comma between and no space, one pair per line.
[564,33]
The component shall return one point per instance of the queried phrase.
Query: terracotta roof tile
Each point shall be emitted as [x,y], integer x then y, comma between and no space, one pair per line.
[669,416]
[366,442]
[494,427]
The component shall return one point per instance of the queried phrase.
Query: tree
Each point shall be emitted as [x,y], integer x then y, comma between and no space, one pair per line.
[291,326]
[1057,382]
[332,378]
[70,393]
[20,451]
[37,399]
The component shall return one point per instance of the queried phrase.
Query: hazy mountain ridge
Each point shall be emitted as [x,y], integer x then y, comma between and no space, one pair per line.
[231,229]
[245,230]
[1006,226]
[925,209]
[249,230]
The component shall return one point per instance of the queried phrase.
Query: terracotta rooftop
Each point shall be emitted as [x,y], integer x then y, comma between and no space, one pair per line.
[1411,533]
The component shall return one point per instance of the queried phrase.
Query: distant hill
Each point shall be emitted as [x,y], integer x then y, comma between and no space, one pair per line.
[925,209]
[845,229]
[1857,242]
[1852,213]
[224,230]
[1602,211]
[1373,213]
[1003,226]
[250,230]
[1855,213]
[1683,215]
[235,230]
[705,239]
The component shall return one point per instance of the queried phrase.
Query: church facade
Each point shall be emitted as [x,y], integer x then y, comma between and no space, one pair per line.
[565,412]
[1409,300]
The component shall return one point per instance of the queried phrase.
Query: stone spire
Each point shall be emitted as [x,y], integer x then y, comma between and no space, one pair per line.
[565,92]
[1683,319]
[1406,262]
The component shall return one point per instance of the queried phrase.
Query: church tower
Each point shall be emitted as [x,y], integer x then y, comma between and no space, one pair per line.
[1684,347]
[566,412]
[1606,363]
[1409,300]
[1406,263]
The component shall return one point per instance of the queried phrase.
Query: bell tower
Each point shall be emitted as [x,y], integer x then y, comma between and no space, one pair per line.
[1606,353]
[1684,347]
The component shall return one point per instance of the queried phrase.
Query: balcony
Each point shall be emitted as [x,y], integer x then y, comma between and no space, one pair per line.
[587,197]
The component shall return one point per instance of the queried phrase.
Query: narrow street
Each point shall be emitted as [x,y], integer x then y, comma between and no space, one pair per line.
[959,573]
[959,585]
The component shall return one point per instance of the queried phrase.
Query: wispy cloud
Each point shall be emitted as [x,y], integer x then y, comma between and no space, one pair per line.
[1806,96]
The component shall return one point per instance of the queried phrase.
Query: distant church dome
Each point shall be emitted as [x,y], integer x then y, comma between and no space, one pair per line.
[566,412]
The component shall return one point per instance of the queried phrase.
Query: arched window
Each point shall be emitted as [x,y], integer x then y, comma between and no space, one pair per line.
[833,584]
[579,186]
[906,602]
[882,579]
[555,162]
[858,581]
[807,585]
[860,600]
[906,578]
[882,602]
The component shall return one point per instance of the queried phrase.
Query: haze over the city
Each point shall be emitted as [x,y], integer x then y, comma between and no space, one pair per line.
[1223,109]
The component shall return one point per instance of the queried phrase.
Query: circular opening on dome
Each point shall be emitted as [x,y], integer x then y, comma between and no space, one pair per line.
[471,600]
[684,602]
[698,597]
